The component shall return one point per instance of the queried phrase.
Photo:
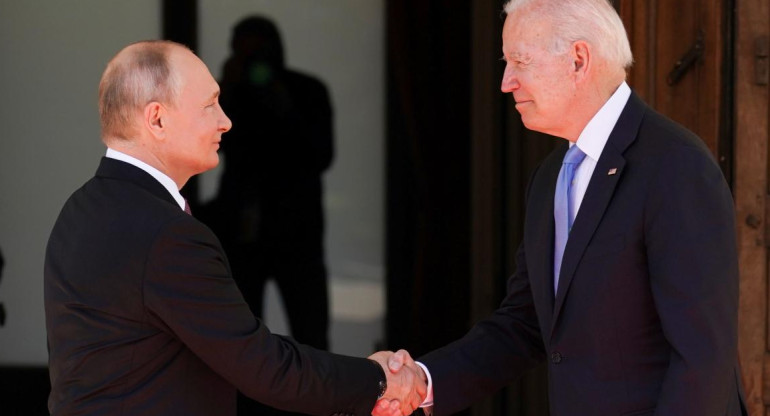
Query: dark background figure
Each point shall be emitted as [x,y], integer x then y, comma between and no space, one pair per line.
[268,212]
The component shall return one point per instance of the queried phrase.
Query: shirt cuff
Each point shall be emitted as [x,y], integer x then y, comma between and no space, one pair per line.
[428,402]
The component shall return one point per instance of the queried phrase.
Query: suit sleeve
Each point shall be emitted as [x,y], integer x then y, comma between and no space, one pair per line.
[691,248]
[188,288]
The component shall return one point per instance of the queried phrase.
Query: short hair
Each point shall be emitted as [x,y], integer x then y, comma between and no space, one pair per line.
[139,74]
[594,21]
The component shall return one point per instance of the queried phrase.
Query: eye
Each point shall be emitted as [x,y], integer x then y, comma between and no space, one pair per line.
[522,63]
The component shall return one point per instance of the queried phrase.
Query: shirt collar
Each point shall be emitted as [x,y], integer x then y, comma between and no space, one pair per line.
[159,176]
[596,133]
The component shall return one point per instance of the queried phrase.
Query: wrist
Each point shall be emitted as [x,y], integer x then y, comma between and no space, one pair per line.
[428,402]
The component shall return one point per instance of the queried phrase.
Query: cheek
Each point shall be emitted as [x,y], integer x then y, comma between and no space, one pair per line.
[552,94]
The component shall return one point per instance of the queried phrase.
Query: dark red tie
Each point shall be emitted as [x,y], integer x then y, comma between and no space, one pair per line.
[187,208]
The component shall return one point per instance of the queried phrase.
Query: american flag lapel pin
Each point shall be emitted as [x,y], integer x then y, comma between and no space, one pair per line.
[612,171]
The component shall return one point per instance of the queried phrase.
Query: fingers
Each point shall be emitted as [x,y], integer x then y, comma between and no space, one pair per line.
[406,384]
[395,362]
[385,407]
[399,359]
[402,358]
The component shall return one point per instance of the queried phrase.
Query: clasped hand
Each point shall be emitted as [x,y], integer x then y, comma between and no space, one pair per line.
[406,384]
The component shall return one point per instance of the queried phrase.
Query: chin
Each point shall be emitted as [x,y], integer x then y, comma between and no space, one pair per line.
[535,126]
[529,124]
[210,164]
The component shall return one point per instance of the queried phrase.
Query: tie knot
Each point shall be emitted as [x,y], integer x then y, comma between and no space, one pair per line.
[574,155]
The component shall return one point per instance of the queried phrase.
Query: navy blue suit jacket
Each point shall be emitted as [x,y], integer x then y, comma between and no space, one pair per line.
[144,318]
[644,320]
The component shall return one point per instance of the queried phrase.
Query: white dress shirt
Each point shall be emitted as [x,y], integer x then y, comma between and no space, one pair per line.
[593,138]
[591,141]
[159,176]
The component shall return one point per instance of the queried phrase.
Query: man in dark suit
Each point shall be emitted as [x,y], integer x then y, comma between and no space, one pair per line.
[142,314]
[636,310]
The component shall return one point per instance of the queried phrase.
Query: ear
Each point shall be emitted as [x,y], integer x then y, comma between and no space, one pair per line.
[581,58]
[154,118]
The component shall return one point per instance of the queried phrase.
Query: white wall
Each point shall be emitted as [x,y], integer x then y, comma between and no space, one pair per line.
[52,54]
[342,43]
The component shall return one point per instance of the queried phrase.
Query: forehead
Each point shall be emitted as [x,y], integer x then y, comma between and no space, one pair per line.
[193,73]
[525,32]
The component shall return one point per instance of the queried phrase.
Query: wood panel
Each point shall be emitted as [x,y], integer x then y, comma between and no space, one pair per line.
[662,32]
[751,192]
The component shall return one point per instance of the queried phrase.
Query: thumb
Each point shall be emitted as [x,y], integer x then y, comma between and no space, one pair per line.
[395,362]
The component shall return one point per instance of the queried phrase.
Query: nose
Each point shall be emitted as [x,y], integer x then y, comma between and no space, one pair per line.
[509,83]
[225,124]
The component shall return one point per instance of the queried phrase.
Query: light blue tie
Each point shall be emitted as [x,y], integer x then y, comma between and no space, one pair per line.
[562,208]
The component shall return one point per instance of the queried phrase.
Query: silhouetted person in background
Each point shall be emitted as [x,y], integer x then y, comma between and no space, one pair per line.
[270,197]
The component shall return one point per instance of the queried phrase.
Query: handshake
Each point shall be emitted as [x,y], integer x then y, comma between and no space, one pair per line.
[407,384]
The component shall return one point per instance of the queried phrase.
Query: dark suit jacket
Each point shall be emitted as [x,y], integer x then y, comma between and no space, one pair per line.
[645,318]
[143,317]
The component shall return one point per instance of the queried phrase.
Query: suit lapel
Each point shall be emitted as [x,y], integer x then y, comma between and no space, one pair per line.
[608,172]
[539,233]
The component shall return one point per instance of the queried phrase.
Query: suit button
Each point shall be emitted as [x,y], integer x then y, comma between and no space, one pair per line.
[556,357]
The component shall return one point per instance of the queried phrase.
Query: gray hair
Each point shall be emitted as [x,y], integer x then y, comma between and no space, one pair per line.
[593,21]
[138,75]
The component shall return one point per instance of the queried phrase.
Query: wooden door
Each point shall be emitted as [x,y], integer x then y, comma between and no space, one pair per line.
[751,193]
[680,49]
[704,64]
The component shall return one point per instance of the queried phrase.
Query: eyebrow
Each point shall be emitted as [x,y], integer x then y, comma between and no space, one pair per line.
[523,57]
[213,96]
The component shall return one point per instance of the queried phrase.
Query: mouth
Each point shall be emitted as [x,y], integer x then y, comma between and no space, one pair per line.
[520,105]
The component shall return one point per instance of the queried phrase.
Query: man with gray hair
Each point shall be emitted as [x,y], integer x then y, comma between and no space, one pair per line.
[142,314]
[626,280]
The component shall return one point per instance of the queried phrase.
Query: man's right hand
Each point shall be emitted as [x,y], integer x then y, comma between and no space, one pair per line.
[406,384]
